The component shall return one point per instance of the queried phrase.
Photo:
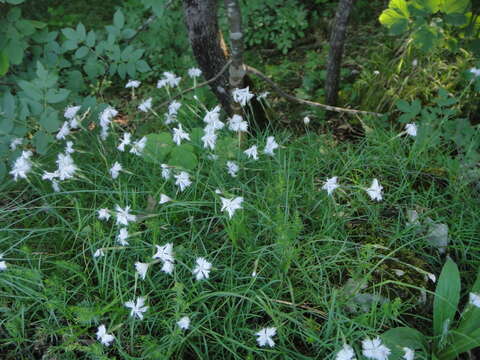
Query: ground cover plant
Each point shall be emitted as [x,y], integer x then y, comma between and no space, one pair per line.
[152,225]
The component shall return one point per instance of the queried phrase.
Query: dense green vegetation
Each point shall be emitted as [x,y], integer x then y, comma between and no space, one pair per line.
[323,265]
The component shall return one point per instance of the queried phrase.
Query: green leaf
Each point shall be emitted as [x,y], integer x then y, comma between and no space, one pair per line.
[8,105]
[183,156]
[4,63]
[41,72]
[158,147]
[118,19]
[91,37]
[446,300]
[456,19]
[428,6]
[122,70]
[128,33]
[55,96]
[454,6]
[6,126]
[70,34]
[142,66]
[426,38]
[15,2]
[41,140]
[81,52]
[49,120]
[30,90]
[75,81]
[81,32]
[405,337]
[70,45]
[395,22]
[3,171]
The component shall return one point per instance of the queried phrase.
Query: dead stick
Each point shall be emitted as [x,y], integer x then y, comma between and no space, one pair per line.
[304,307]
[277,88]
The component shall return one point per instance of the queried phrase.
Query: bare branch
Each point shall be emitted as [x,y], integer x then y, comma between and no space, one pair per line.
[280,91]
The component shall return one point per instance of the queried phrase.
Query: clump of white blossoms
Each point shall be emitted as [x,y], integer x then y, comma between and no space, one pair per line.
[138,146]
[146,105]
[22,165]
[182,180]
[474,299]
[252,152]
[122,237]
[374,349]
[15,142]
[64,131]
[330,185]
[194,72]
[346,353]
[270,146]
[242,96]
[236,123]
[411,129]
[409,354]
[179,134]
[115,170]
[66,167]
[202,270]
[137,307]
[184,323]
[165,254]
[126,140]
[3,263]
[375,190]
[264,336]
[103,214]
[71,112]
[103,337]
[106,117]
[141,269]
[169,79]
[132,84]
[232,168]
[231,205]
[124,216]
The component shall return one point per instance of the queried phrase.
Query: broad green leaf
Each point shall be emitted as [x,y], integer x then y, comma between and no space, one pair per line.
[55,96]
[142,66]
[91,37]
[460,343]
[30,90]
[395,22]
[426,38]
[70,45]
[49,121]
[8,105]
[399,6]
[456,19]
[75,81]
[81,32]
[128,33]
[454,6]
[4,63]
[3,171]
[405,337]
[158,147]
[41,140]
[81,52]
[470,318]
[428,6]
[6,126]
[70,34]
[118,19]
[183,156]
[122,70]
[41,72]
[446,300]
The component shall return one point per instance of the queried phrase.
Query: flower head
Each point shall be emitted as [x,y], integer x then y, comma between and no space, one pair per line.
[375,190]
[330,185]
[115,170]
[184,323]
[166,172]
[64,131]
[231,205]
[194,72]
[346,353]
[411,129]
[475,72]
[306,120]
[164,199]
[374,349]
[141,269]
[124,216]
[252,152]
[98,253]
[232,168]
[15,142]
[179,134]
[146,105]
[474,299]
[183,180]
[173,107]
[71,112]
[132,84]
[164,253]
[202,270]
[3,263]
[137,307]
[169,79]
[209,139]
[409,354]
[270,146]
[236,123]
[66,166]
[122,237]
[103,214]
[242,96]
[264,336]
[138,146]
[102,335]
[69,148]
[22,166]
[126,140]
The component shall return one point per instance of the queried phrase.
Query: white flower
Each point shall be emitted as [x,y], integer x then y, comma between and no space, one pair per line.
[102,335]
[232,168]
[66,166]
[64,131]
[306,121]
[141,269]
[209,139]
[179,134]
[132,84]
[98,253]
[212,157]
[103,214]
[202,270]
[122,237]
[270,146]
[170,118]
[263,95]
[183,180]
[69,148]
[409,353]
[164,253]
[475,72]
[15,142]
[3,264]
[242,96]
[167,267]
[374,349]
[124,216]
[414,62]
[375,190]
[432,277]
[184,323]
[231,205]
[115,169]
[330,185]
[252,152]
[236,123]
[55,186]
[194,72]
[166,172]
[173,107]
[126,140]
[169,79]
[138,146]
[212,115]
[146,105]
[106,117]
[74,123]
[474,299]
[164,199]
[137,307]
[71,112]
[346,353]
[264,336]
[411,129]
[22,165]
[376,72]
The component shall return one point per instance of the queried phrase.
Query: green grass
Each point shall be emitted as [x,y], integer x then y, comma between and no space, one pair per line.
[303,244]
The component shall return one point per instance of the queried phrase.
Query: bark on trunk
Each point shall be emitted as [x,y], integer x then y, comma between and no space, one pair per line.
[337,40]
[208,45]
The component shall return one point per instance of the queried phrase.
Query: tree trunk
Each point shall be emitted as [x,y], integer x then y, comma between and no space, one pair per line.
[208,45]
[337,40]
